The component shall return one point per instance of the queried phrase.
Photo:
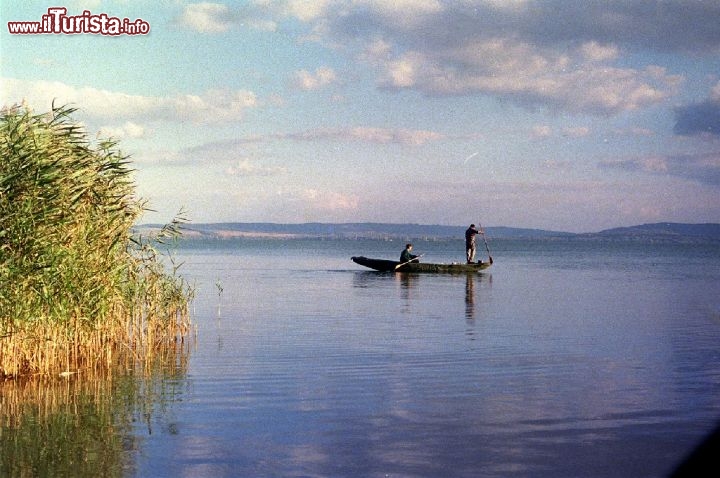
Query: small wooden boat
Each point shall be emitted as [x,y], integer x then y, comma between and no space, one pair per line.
[384,265]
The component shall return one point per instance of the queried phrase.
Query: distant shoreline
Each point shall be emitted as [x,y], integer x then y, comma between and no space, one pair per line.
[664,232]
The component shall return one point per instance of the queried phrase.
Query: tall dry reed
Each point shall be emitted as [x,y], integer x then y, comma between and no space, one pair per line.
[77,290]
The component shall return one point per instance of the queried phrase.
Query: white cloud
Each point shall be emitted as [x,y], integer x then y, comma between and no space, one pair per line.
[376,50]
[402,7]
[566,61]
[576,132]
[399,12]
[127,130]
[323,76]
[206,17]
[654,164]
[403,72]
[329,200]
[701,168]
[402,13]
[635,131]
[541,131]
[305,10]
[594,52]
[81,5]
[402,136]
[529,75]
[366,134]
[213,106]
[545,131]
[245,167]
[505,4]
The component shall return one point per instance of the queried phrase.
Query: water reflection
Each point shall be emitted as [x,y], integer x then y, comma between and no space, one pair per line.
[407,282]
[410,284]
[470,294]
[368,279]
[86,425]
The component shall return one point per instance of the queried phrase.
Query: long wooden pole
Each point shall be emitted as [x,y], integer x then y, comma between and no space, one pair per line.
[487,248]
[408,262]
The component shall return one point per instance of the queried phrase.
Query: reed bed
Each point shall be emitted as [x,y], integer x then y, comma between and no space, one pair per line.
[78,290]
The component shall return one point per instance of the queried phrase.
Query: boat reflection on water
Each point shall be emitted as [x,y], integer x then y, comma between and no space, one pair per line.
[471,280]
[407,281]
[443,287]
[470,297]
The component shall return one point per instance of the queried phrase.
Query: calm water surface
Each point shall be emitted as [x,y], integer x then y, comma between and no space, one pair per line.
[566,359]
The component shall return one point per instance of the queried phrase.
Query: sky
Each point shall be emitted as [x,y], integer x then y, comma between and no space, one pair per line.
[557,114]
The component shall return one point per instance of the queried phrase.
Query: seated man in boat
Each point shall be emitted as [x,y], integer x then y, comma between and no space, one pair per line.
[406,256]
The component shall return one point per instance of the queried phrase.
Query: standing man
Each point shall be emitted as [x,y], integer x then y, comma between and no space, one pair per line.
[470,234]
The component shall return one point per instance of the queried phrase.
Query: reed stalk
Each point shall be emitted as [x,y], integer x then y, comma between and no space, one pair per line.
[78,290]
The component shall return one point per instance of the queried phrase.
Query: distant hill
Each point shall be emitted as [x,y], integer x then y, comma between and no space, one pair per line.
[669,232]
[666,229]
[349,230]
[658,232]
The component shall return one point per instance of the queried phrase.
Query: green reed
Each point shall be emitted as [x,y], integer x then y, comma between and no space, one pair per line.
[77,289]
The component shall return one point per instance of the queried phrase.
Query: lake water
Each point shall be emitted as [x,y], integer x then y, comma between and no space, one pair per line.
[564,359]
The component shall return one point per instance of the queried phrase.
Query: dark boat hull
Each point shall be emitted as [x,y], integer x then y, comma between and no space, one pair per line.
[384,265]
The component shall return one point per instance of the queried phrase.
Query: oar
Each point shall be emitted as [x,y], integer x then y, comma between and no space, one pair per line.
[482,233]
[408,262]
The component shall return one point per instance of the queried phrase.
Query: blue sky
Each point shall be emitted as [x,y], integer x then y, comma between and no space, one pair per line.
[562,115]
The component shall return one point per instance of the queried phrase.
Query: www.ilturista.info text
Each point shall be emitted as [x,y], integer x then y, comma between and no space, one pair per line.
[57,21]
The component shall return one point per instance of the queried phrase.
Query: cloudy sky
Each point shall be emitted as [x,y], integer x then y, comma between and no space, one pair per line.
[554,114]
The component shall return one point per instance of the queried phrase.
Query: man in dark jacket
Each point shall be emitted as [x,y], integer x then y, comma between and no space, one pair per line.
[405,256]
[470,234]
